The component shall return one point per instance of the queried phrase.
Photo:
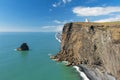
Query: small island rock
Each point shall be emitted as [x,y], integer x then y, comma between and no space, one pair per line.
[23,47]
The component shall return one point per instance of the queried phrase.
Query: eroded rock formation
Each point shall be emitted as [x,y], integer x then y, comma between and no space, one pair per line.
[23,47]
[92,44]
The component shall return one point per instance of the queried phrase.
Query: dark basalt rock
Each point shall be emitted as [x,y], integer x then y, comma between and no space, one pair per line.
[23,47]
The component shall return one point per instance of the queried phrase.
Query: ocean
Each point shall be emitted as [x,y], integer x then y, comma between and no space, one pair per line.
[34,64]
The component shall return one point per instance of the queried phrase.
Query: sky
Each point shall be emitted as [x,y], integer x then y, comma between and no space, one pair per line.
[51,15]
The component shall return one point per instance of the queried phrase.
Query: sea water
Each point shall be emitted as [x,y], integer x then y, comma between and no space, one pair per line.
[34,64]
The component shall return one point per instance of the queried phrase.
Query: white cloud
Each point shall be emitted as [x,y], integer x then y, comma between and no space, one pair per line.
[62,22]
[111,19]
[56,4]
[57,21]
[57,28]
[94,11]
[66,1]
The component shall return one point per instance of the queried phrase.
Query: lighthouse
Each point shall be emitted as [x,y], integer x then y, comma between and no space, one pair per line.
[86,20]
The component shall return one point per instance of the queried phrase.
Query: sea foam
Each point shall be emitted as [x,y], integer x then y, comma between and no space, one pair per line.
[58,37]
[15,49]
[81,73]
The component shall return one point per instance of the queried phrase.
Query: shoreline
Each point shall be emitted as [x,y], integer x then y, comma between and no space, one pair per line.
[88,73]
[95,73]
[82,74]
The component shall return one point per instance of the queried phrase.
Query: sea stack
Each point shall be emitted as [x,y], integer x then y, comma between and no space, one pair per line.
[94,47]
[23,47]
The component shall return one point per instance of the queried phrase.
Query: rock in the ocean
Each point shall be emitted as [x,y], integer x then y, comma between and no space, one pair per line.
[23,47]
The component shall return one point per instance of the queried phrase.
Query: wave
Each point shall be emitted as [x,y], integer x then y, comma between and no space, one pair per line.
[49,54]
[82,74]
[15,49]
[58,37]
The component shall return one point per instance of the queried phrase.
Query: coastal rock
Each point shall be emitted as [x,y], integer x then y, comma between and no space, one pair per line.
[92,44]
[23,47]
[95,73]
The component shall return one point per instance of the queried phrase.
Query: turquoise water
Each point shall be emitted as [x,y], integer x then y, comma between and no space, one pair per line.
[34,64]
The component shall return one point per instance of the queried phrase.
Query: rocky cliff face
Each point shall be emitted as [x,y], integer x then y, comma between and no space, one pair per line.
[92,44]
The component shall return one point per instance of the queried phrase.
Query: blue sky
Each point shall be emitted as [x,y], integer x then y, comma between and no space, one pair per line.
[51,15]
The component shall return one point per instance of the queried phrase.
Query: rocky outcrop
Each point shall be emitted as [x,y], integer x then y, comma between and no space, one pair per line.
[92,44]
[95,73]
[23,47]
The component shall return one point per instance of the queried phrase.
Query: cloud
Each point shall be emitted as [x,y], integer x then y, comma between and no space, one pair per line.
[66,1]
[57,21]
[60,2]
[111,19]
[56,4]
[57,28]
[62,22]
[94,11]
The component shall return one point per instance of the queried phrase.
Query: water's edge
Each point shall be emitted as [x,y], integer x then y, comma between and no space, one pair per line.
[95,73]
[82,74]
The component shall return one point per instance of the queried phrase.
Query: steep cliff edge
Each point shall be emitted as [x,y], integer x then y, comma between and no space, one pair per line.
[92,44]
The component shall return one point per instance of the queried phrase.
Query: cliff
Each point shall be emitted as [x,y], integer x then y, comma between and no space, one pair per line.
[96,45]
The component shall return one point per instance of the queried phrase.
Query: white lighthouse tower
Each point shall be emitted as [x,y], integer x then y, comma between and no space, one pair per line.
[86,20]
